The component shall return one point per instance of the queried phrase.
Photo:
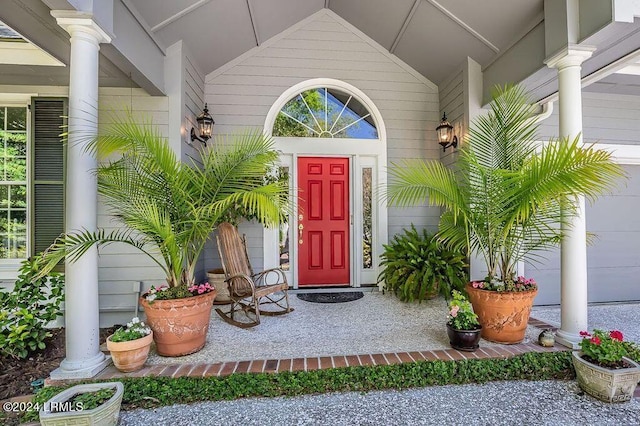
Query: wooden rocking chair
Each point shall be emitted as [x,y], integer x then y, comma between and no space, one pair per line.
[249,292]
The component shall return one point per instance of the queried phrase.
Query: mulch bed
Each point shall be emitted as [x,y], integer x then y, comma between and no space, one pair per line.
[16,375]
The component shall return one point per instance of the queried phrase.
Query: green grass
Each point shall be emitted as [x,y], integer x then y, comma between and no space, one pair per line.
[150,392]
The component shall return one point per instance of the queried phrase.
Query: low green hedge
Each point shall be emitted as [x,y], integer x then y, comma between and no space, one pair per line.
[160,391]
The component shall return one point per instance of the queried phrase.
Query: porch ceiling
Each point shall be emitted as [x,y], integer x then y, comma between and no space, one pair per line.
[432,36]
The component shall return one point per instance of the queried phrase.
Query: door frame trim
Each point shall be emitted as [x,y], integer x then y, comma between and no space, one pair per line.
[375,150]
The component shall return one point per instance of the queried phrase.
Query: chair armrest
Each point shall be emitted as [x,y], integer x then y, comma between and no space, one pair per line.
[264,277]
[231,283]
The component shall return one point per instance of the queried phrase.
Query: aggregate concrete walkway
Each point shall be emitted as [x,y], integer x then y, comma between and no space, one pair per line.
[497,403]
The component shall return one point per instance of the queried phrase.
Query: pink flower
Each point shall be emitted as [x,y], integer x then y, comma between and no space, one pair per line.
[585,334]
[595,340]
[454,311]
[616,335]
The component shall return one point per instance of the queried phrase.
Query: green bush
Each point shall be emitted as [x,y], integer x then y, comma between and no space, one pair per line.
[417,267]
[160,391]
[27,309]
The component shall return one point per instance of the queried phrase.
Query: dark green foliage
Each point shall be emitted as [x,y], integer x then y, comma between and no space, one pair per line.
[416,267]
[178,292]
[27,309]
[91,400]
[161,391]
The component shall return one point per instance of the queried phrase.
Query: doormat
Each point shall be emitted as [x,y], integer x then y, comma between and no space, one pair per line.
[331,297]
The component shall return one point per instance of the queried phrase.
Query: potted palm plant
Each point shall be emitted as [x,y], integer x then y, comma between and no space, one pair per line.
[168,210]
[505,202]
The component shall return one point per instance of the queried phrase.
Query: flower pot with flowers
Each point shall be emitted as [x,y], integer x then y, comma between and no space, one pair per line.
[463,327]
[504,200]
[503,308]
[602,368]
[129,346]
[168,210]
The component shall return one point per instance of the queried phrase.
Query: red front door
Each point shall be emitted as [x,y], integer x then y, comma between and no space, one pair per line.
[323,221]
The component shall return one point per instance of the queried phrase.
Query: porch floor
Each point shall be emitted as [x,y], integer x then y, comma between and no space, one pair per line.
[375,330]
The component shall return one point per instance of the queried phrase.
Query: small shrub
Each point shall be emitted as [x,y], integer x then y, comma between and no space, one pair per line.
[27,309]
[417,267]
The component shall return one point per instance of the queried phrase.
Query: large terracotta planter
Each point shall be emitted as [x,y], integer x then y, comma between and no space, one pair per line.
[131,355]
[464,340]
[606,384]
[179,325]
[504,315]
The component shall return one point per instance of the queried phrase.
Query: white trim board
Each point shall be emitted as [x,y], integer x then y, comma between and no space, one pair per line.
[362,153]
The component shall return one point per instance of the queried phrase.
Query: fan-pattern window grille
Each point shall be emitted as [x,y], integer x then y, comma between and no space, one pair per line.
[325,113]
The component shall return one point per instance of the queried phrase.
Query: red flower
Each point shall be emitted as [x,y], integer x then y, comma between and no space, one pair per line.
[595,340]
[616,335]
[585,334]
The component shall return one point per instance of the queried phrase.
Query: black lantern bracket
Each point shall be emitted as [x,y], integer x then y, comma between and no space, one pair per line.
[205,125]
[446,136]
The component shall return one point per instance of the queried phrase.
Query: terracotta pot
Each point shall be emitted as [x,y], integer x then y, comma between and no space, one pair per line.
[179,325]
[606,384]
[504,315]
[131,355]
[464,340]
[216,279]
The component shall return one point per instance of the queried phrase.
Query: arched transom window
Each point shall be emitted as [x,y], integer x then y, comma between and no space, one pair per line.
[325,113]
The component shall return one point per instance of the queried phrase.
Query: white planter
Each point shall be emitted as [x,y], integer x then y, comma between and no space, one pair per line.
[105,415]
[606,384]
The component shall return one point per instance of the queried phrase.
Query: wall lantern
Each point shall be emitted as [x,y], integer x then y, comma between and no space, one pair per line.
[205,125]
[446,138]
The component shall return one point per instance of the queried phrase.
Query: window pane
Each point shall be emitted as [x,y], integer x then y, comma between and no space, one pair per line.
[4,196]
[284,230]
[18,196]
[13,234]
[2,114]
[16,169]
[16,144]
[367,229]
[16,118]
[325,113]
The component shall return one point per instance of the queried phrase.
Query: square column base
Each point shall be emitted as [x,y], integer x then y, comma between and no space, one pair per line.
[568,340]
[61,373]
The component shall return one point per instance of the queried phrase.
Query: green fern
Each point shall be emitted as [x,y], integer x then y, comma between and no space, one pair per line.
[417,267]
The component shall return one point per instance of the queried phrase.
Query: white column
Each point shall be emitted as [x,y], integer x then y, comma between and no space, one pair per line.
[573,258]
[83,356]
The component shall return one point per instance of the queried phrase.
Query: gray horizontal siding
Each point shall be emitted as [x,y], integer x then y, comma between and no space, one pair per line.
[242,95]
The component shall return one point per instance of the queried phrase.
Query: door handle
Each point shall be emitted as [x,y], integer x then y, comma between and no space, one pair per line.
[300,228]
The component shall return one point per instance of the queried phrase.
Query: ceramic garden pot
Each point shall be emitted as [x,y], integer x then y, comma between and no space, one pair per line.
[608,385]
[179,325]
[504,315]
[464,340]
[104,415]
[131,355]
[216,278]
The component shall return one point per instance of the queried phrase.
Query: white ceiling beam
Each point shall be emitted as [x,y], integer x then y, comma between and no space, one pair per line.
[405,25]
[143,23]
[253,23]
[616,66]
[179,15]
[464,25]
